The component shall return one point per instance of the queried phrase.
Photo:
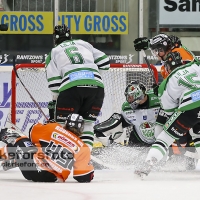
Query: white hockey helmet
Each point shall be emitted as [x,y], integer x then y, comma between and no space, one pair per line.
[134,93]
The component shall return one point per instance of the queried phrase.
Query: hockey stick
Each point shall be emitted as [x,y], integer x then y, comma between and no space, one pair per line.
[149,66]
[38,106]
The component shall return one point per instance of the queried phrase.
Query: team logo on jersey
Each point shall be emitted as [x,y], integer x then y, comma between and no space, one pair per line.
[147,130]
[28,144]
[64,140]
[145,117]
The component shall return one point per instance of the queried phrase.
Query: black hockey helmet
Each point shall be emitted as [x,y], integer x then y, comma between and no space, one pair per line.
[75,122]
[61,33]
[176,42]
[160,42]
[134,92]
[9,135]
[173,60]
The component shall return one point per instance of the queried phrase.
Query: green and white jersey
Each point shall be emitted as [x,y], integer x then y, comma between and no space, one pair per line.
[143,118]
[181,89]
[73,63]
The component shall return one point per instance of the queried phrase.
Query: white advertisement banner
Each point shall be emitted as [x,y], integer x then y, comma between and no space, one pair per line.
[179,12]
[5,94]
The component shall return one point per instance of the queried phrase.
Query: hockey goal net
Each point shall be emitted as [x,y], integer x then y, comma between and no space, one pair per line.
[24,112]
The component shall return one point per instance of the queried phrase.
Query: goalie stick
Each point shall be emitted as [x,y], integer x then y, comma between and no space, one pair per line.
[38,106]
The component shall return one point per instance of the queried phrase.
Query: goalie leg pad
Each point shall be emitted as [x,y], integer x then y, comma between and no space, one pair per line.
[109,129]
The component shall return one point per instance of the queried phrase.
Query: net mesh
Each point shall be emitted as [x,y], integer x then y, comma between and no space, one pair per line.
[115,81]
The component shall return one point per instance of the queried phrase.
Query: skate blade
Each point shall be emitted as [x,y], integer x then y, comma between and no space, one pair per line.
[143,176]
[140,175]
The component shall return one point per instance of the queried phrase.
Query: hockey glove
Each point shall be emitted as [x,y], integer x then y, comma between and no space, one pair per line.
[49,121]
[51,107]
[176,42]
[141,43]
[155,89]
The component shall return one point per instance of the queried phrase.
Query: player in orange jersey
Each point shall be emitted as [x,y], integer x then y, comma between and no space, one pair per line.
[160,45]
[51,152]
[160,50]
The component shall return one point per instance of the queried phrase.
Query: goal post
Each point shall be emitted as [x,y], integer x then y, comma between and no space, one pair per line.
[24,112]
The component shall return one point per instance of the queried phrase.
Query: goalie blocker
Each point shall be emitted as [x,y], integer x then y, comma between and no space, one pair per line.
[108,131]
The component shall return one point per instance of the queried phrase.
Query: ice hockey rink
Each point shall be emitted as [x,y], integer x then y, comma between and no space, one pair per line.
[107,185]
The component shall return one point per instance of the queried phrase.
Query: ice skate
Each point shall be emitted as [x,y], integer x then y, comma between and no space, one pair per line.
[144,171]
[191,163]
[9,164]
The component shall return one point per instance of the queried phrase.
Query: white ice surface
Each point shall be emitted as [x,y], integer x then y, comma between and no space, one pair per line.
[107,185]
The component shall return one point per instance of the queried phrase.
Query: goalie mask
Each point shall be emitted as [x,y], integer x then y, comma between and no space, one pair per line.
[75,123]
[134,93]
[172,61]
[160,44]
[61,33]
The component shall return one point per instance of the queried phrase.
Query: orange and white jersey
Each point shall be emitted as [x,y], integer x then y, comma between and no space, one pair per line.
[60,151]
[186,55]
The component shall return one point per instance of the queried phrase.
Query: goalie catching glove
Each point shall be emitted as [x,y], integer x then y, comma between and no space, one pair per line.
[109,130]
